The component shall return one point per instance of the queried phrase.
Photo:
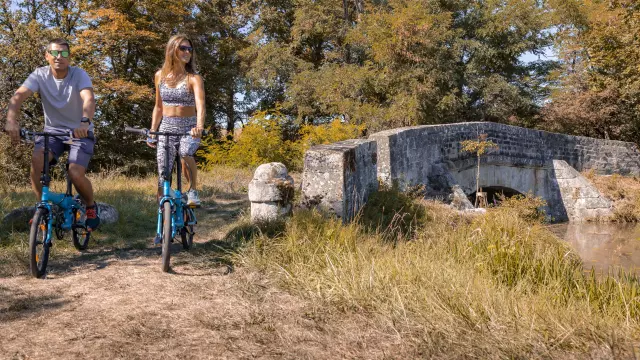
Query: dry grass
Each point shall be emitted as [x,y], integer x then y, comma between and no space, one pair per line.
[624,191]
[417,281]
[490,287]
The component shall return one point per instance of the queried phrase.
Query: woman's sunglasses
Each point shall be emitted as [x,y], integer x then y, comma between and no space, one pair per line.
[185,48]
[55,53]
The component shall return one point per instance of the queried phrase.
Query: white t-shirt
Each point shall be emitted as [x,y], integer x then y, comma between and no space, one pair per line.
[61,99]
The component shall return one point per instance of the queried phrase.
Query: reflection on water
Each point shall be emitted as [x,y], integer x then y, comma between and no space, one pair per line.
[603,246]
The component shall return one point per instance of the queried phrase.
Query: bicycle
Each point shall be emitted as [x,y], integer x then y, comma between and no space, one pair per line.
[174,215]
[55,212]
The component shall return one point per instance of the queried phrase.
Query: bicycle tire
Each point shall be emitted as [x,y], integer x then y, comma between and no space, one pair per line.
[38,249]
[80,239]
[166,236]
[187,231]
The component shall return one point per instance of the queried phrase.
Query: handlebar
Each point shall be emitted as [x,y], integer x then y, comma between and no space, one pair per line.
[146,132]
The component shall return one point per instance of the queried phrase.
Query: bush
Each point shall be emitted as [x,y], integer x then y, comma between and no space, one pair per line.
[527,207]
[15,162]
[271,136]
[393,214]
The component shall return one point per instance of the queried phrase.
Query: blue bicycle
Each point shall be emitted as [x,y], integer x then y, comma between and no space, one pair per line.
[55,212]
[174,215]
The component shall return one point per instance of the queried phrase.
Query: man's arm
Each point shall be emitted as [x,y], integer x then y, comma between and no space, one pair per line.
[12,127]
[88,111]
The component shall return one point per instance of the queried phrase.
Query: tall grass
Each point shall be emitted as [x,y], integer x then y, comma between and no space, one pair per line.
[490,286]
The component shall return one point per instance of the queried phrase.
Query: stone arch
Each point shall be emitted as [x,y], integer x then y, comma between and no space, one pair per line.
[523,180]
[494,193]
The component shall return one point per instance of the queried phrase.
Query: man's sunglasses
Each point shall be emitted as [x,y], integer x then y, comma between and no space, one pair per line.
[185,48]
[55,53]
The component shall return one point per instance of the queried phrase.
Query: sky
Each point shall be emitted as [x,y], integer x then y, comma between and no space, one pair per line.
[549,54]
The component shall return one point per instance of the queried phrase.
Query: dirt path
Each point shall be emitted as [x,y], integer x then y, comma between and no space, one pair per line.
[117,304]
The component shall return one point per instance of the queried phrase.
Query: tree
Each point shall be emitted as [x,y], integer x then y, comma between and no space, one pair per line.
[397,63]
[479,147]
[598,92]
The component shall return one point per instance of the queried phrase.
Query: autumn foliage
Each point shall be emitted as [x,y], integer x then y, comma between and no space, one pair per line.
[370,64]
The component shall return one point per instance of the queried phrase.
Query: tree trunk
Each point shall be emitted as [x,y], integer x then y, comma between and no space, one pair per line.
[231,112]
[477,181]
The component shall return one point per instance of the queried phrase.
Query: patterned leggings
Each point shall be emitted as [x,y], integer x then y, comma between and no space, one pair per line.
[185,145]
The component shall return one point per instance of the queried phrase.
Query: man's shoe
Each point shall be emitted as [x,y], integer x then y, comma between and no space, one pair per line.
[192,198]
[93,219]
[157,240]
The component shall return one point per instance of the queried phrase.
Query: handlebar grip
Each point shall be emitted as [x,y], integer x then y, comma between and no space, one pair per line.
[136,130]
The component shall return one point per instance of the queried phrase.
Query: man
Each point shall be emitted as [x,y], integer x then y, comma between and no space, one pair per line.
[68,104]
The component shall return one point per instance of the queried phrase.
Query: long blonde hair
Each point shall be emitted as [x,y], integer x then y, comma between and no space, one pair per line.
[172,64]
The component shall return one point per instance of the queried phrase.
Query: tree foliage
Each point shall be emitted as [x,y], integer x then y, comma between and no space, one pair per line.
[369,63]
[599,83]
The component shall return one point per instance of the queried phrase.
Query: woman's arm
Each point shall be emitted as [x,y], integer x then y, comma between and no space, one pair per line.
[157,109]
[197,84]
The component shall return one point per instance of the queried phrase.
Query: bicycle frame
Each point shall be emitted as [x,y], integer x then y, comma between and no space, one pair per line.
[65,201]
[177,206]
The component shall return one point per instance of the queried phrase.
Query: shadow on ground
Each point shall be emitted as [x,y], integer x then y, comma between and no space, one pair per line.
[15,304]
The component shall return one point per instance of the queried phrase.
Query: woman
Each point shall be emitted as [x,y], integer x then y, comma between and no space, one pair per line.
[179,108]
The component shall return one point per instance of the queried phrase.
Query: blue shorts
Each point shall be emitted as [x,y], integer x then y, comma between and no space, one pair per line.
[80,151]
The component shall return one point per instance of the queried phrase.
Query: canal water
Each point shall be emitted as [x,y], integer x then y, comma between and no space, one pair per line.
[604,247]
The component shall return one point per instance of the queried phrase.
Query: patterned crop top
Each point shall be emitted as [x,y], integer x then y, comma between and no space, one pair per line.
[177,96]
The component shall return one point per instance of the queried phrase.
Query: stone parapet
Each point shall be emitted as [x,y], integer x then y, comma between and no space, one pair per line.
[339,177]
[405,153]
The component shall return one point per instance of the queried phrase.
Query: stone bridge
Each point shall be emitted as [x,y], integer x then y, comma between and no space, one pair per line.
[341,176]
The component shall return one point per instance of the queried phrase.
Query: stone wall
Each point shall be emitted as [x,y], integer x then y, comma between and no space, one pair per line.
[339,177]
[408,154]
[580,199]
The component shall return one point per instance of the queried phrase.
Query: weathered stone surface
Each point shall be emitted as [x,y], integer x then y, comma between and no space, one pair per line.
[581,200]
[399,160]
[340,177]
[269,211]
[459,200]
[270,192]
[523,162]
[18,219]
[108,214]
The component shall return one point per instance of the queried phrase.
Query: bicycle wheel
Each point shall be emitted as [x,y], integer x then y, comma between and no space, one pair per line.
[187,231]
[38,248]
[80,234]
[166,236]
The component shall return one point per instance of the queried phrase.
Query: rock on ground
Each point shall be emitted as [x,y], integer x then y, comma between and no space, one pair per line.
[18,219]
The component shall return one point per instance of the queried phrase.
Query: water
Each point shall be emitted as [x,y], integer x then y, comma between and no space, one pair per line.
[604,246]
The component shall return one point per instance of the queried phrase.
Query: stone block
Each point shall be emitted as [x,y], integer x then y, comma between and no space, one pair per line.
[270,192]
[340,177]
